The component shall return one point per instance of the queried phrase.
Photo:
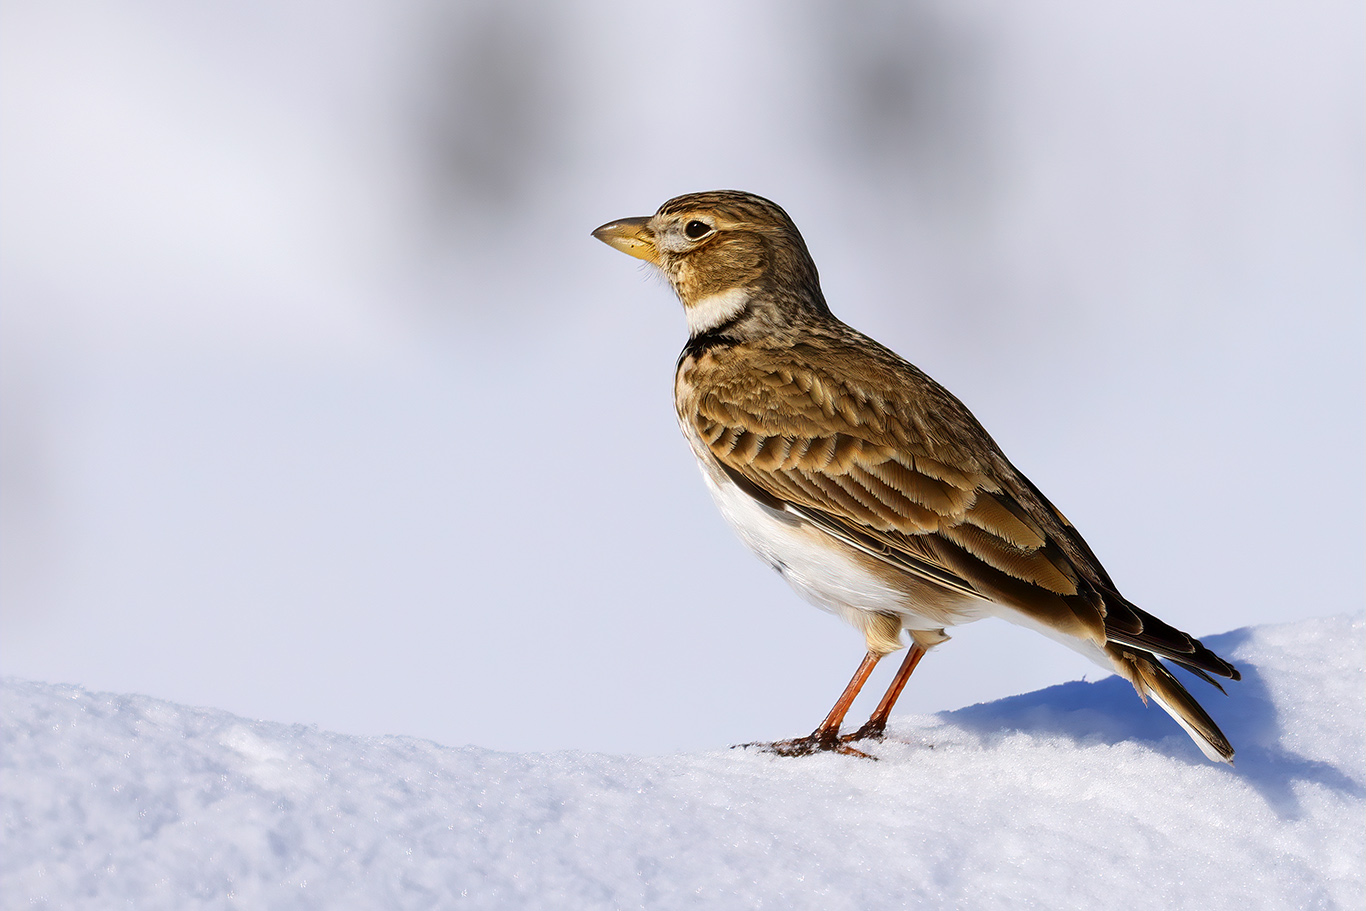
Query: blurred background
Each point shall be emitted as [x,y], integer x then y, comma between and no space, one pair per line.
[321,405]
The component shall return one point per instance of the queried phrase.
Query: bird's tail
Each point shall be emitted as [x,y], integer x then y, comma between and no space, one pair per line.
[1150,678]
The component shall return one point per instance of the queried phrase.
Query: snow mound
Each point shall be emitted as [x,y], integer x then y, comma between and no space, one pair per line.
[1071,797]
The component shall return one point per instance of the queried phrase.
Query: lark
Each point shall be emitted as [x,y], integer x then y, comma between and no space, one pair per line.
[868,486]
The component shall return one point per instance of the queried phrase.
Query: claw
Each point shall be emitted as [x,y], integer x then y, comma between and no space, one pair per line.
[807,746]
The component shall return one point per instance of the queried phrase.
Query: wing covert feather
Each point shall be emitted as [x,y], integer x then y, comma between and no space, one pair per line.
[830,448]
[888,461]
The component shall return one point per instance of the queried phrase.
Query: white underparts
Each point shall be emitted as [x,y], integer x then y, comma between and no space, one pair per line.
[715,309]
[824,575]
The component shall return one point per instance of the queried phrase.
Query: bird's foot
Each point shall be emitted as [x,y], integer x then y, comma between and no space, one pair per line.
[817,742]
[873,730]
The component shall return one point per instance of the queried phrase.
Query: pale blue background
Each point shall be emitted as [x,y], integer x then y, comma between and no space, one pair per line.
[320,404]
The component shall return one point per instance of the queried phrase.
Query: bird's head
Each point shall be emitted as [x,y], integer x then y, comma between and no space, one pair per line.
[725,253]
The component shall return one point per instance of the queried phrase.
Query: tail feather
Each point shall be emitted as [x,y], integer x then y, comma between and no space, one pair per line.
[1129,624]
[1150,678]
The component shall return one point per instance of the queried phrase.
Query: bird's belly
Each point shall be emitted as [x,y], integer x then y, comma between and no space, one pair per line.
[830,574]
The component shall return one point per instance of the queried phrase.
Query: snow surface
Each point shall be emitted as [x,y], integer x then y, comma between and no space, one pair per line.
[1071,797]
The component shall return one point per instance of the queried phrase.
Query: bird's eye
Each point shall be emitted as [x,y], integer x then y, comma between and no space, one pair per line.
[696,229]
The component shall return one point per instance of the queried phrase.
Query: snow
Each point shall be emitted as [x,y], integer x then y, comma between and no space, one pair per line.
[1074,796]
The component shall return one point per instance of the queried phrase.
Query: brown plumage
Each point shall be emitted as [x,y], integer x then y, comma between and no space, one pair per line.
[870,487]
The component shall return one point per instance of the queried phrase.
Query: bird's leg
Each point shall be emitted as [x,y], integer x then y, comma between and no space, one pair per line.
[827,735]
[877,723]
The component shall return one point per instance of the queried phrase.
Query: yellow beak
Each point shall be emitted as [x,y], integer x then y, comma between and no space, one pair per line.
[630,236]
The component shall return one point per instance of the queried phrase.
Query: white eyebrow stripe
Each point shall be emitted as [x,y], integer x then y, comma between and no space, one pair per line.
[715,309]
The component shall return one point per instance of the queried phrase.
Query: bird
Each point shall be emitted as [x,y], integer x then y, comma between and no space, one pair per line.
[870,488]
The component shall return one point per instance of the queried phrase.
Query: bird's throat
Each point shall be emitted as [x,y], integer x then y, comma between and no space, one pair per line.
[716,310]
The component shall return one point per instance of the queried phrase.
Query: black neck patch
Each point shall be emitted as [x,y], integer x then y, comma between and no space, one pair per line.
[715,337]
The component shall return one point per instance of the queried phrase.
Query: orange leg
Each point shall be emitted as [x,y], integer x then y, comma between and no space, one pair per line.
[827,735]
[877,723]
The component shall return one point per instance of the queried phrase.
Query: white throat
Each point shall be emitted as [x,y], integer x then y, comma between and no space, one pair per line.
[714,309]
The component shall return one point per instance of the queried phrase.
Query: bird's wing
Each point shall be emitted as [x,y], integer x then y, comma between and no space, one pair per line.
[888,461]
[880,472]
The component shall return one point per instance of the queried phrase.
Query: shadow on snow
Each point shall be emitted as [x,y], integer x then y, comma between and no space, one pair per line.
[1108,711]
